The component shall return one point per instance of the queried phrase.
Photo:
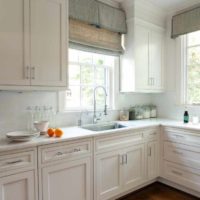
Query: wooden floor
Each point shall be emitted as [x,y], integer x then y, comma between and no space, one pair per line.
[158,191]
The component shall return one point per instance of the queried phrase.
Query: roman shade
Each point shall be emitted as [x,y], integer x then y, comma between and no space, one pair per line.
[84,10]
[186,22]
[97,13]
[83,35]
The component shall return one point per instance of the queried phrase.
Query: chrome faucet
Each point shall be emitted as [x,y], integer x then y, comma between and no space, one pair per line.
[95,118]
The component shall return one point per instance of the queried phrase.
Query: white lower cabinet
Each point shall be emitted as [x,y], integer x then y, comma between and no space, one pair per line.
[180,160]
[134,166]
[18,187]
[152,159]
[70,180]
[108,174]
[66,171]
[18,175]
[118,171]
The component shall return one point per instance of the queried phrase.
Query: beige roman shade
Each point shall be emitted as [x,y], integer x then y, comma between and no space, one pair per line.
[91,36]
[186,22]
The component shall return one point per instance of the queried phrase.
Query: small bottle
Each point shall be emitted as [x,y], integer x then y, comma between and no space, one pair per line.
[186,117]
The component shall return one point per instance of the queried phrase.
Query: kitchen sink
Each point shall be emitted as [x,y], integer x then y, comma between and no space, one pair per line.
[103,127]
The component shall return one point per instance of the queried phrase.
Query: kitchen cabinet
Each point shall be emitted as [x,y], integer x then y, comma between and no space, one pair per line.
[152,160]
[65,171]
[180,160]
[108,174]
[33,44]
[48,43]
[121,169]
[134,166]
[142,65]
[70,180]
[14,42]
[18,187]
[18,175]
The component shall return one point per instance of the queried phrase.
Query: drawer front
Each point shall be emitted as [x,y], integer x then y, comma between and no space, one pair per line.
[151,134]
[185,176]
[181,136]
[15,162]
[182,154]
[64,151]
[103,144]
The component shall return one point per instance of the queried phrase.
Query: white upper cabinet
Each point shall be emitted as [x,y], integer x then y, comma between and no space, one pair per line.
[14,42]
[33,44]
[143,62]
[142,65]
[48,55]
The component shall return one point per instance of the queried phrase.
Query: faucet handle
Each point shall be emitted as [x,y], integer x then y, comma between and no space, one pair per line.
[106,110]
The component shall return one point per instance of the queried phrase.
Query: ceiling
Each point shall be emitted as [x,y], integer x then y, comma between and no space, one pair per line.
[171,4]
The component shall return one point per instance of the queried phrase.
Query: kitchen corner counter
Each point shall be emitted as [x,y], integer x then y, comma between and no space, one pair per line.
[76,133]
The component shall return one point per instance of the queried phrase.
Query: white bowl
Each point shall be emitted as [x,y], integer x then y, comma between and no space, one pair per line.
[41,126]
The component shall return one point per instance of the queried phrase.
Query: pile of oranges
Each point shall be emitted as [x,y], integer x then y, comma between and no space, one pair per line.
[55,132]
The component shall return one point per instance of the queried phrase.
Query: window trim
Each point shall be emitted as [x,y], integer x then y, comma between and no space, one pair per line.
[182,42]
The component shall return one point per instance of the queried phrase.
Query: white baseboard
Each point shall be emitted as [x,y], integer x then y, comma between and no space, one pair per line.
[179,187]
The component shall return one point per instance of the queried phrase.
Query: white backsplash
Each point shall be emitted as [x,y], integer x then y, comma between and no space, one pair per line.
[13,114]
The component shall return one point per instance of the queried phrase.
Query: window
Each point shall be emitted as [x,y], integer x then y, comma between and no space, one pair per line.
[87,71]
[192,68]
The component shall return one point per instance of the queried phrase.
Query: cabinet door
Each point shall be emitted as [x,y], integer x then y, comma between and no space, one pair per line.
[134,167]
[70,180]
[141,57]
[108,178]
[152,160]
[48,43]
[156,59]
[18,187]
[14,42]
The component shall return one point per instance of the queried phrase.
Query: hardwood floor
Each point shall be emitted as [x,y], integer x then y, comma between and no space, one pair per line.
[158,191]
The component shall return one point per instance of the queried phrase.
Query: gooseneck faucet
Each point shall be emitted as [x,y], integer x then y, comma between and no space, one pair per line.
[95,118]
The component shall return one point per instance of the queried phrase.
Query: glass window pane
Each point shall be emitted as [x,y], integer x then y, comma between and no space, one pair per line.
[98,59]
[87,74]
[100,76]
[73,101]
[109,61]
[87,97]
[194,55]
[85,57]
[73,55]
[74,74]
[194,38]
[193,76]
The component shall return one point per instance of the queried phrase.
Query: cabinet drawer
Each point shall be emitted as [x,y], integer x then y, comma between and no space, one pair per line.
[53,153]
[182,154]
[181,136]
[151,134]
[103,144]
[185,176]
[15,162]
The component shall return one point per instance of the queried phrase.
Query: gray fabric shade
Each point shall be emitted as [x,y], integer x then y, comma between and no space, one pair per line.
[111,18]
[99,14]
[84,10]
[186,22]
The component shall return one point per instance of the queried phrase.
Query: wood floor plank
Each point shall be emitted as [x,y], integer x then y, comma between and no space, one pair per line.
[158,191]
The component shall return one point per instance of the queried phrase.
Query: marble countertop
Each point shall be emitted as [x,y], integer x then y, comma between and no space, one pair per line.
[75,133]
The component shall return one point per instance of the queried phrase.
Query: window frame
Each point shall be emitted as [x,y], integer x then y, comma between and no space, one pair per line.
[112,84]
[183,70]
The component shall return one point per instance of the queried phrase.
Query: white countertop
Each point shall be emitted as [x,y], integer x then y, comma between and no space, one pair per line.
[75,133]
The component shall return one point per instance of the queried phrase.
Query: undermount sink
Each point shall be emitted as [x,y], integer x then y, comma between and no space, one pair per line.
[103,127]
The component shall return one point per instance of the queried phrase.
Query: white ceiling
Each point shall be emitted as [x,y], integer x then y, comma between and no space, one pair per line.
[171,4]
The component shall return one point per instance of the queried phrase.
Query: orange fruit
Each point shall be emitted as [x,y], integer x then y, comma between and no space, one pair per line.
[59,132]
[51,132]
